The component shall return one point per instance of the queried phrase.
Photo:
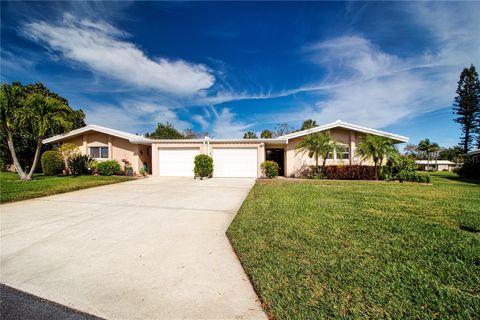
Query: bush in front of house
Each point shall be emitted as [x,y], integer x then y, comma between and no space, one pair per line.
[469,169]
[269,169]
[354,172]
[108,168]
[81,164]
[52,163]
[203,166]
[402,168]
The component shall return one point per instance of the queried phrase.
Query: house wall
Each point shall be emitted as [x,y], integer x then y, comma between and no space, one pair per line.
[205,148]
[118,148]
[296,163]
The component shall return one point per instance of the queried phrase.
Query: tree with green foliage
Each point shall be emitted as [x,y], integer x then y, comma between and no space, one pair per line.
[452,154]
[318,144]
[433,150]
[467,107]
[24,107]
[378,149]
[266,134]
[250,135]
[423,148]
[308,124]
[24,136]
[411,150]
[165,131]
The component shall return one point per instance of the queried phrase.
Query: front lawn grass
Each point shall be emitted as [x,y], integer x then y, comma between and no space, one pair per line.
[14,189]
[351,249]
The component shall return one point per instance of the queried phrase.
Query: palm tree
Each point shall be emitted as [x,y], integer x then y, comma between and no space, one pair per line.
[376,148]
[250,135]
[423,147]
[43,113]
[433,149]
[318,144]
[10,104]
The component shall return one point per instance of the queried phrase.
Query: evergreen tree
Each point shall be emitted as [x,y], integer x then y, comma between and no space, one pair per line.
[250,135]
[467,106]
[308,124]
[165,131]
[266,134]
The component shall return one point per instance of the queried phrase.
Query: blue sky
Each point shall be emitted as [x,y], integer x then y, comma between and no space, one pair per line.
[226,68]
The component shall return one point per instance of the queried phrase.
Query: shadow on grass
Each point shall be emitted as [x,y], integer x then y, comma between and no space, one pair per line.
[460,179]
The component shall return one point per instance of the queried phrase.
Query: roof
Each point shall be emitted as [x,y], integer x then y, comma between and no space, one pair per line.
[133,138]
[474,152]
[433,162]
[210,140]
[340,124]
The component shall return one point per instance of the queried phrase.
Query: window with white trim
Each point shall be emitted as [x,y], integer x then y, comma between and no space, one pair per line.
[344,153]
[99,152]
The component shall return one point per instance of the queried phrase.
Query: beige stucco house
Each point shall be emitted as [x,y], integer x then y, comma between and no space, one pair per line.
[231,157]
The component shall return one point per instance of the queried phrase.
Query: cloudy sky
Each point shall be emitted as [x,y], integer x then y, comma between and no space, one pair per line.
[226,68]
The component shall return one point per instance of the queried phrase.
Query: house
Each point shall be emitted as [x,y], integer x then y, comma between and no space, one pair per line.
[474,155]
[438,165]
[231,157]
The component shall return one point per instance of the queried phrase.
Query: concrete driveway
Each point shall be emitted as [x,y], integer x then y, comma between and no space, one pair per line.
[147,249]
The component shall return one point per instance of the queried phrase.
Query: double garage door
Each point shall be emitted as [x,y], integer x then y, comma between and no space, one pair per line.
[227,162]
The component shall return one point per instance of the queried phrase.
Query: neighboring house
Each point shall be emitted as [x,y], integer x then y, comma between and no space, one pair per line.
[439,165]
[231,157]
[474,155]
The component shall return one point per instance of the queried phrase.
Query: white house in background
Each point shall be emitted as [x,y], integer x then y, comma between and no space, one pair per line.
[439,165]
[475,155]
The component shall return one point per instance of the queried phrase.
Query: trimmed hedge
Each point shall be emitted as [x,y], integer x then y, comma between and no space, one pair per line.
[52,163]
[203,166]
[469,169]
[354,172]
[269,169]
[108,168]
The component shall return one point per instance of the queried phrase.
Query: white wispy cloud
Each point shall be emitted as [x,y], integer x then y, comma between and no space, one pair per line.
[377,89]
[225,124]
[104,49]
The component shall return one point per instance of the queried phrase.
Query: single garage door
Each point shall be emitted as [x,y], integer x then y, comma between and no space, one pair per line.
[177,162]
[234,162]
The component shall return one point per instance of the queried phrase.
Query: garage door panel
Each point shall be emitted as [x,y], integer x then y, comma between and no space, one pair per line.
[235,162]
[177,162]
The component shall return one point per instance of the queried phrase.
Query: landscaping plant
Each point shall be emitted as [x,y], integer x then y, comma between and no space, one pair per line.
[108,168]
[52,163]
[377,149]
[68,151]
[81,164]
[269,169]
[203,166]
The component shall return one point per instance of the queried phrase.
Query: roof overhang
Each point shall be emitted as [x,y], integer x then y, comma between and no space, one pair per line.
[345,125]
[89,128]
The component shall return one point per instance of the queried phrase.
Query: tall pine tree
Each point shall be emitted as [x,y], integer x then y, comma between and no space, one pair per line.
[467,106]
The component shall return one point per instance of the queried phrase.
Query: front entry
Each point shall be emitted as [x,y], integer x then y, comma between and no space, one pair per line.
[277,156]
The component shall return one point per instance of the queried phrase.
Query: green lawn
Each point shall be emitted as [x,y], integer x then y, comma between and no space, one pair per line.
[13,189]
[348,249]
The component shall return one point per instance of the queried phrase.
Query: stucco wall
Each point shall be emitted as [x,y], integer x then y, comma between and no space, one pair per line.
[206,148]
[297,162]
[118,148]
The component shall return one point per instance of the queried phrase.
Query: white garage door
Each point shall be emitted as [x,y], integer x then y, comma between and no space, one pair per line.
[177,162]
[235,162]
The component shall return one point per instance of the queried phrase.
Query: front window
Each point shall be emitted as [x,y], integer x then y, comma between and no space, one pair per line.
[99,152]
[343,153]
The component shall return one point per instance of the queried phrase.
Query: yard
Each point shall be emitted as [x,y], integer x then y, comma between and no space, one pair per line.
[351,249]
[14,189]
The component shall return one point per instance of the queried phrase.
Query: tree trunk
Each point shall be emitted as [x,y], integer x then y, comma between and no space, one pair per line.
[376,169]
[465,142]
[11,147]
[35,159]
[324,161]
[316,161]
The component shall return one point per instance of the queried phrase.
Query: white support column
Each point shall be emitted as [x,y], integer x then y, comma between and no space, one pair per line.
[85,142]
[352,148]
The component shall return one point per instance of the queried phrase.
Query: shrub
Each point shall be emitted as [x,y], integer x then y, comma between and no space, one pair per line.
[80,164]
[203,166]
[143,171]
[402,168]
[355,172]
[107,168]
[2,166]
[269,169]
[52,163]
[469,169]
[315,172]
[67,152]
